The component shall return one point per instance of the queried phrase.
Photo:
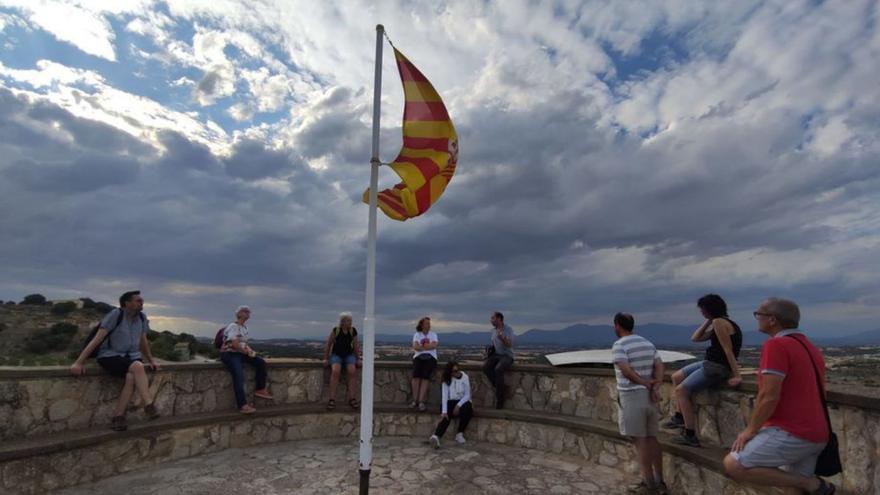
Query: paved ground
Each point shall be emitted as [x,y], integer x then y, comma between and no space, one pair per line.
[401,466]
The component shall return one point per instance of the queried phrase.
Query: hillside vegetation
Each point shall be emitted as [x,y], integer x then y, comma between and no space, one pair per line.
[40,332]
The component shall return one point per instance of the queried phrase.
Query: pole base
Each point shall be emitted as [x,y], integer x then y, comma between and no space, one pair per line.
[365,482]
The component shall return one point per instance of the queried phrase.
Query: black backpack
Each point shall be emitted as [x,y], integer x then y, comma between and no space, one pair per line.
[94,332]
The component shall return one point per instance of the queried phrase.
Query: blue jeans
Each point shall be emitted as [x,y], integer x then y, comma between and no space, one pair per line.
[234,362]
[695,379]
[349,360]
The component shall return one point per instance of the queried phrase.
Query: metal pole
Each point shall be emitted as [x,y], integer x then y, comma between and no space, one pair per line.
[366,445]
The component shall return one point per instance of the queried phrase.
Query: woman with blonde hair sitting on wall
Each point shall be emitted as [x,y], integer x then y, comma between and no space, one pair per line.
[342,349]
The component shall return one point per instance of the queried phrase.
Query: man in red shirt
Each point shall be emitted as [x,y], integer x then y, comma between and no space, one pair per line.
[787,429]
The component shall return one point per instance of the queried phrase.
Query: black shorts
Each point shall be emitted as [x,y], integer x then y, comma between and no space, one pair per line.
[117,365]
[423,367]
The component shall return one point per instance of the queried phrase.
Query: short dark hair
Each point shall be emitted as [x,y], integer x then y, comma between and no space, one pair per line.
[499,315]
[625,321]
[126,296]
[714,305]
[785,311]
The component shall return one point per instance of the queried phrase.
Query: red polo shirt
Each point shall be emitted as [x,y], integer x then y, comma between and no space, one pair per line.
[799,410]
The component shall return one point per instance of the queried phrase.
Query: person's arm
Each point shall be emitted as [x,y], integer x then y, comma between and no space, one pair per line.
[506,341]
[658,378]
[432,344]
[701,335]
[356,347]
[416,343]
[444,398]
[147,352]
[78,366]
[631,374]
[768,399]
[328,348]
[467,391]
[723,330]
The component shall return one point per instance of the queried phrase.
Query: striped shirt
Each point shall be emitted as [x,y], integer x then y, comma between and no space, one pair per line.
[639,353]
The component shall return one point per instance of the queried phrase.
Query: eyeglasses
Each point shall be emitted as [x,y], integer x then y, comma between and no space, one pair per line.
[756,314]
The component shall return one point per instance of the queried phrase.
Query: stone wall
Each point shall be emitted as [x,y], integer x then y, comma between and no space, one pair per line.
[39,474]
[38,402]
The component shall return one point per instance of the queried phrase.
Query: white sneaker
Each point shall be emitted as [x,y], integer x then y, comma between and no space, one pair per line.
[434,441]
[459,439]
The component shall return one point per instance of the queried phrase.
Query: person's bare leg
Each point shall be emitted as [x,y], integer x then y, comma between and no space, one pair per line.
[423,390]
[415,390]
[352,383]
[792,483]
[125,395]
[677,378]
[141,382]
[335,371]
[644,453]
[656,458]
[683,398]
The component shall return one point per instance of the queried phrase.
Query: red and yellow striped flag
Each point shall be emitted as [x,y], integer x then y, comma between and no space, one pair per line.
[427,160]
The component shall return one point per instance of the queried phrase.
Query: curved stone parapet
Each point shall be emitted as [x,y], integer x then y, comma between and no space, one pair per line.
[41,403]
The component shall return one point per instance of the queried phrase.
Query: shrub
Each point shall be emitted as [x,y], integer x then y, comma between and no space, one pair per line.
[63,308]
[35,299]
[10,303]
[64,328]
[56,338]
[87,303]
[103,308]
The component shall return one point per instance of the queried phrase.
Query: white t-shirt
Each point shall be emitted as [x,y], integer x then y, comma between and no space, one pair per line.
[235,331]
[420,337]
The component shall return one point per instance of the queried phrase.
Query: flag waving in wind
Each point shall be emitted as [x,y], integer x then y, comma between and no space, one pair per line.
[427,160]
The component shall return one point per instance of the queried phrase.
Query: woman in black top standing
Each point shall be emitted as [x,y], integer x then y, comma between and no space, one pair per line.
[342,349]
[719,365]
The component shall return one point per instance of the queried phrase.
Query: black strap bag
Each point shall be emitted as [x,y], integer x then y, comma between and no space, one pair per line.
[828,463]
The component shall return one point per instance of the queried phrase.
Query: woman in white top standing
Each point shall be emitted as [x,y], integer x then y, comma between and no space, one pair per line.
[456,402]
[235,352]
[424,344]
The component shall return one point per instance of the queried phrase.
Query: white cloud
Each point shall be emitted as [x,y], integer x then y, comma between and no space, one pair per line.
[86,94]
[86,29]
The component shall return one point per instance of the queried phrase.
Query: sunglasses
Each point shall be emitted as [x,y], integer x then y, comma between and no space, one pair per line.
[756,314]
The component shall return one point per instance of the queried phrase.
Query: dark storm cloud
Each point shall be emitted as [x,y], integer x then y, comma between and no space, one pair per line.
[252,160]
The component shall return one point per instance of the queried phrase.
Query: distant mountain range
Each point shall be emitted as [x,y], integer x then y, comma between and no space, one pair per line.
[602,336]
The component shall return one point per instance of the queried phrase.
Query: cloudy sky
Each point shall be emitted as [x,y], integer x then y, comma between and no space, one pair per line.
[613,156]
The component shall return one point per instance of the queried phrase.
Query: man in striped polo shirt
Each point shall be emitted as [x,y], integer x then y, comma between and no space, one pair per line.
[639,371]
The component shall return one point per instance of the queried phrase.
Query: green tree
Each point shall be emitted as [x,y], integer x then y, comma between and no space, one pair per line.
[35,299]
[63,308]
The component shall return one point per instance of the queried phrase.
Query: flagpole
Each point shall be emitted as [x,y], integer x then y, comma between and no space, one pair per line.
[366,439]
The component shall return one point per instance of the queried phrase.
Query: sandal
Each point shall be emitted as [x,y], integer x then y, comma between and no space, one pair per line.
[354,403]
[331,404]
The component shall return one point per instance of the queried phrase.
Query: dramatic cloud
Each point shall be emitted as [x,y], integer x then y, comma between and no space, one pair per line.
[614,156]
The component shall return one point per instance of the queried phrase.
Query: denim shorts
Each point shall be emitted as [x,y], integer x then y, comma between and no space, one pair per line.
[695,379]
[351,359]
[776,448]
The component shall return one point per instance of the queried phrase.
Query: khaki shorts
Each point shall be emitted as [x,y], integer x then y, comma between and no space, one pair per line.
[637,416]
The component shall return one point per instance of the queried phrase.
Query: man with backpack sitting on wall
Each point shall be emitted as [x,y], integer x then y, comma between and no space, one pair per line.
[120,343]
